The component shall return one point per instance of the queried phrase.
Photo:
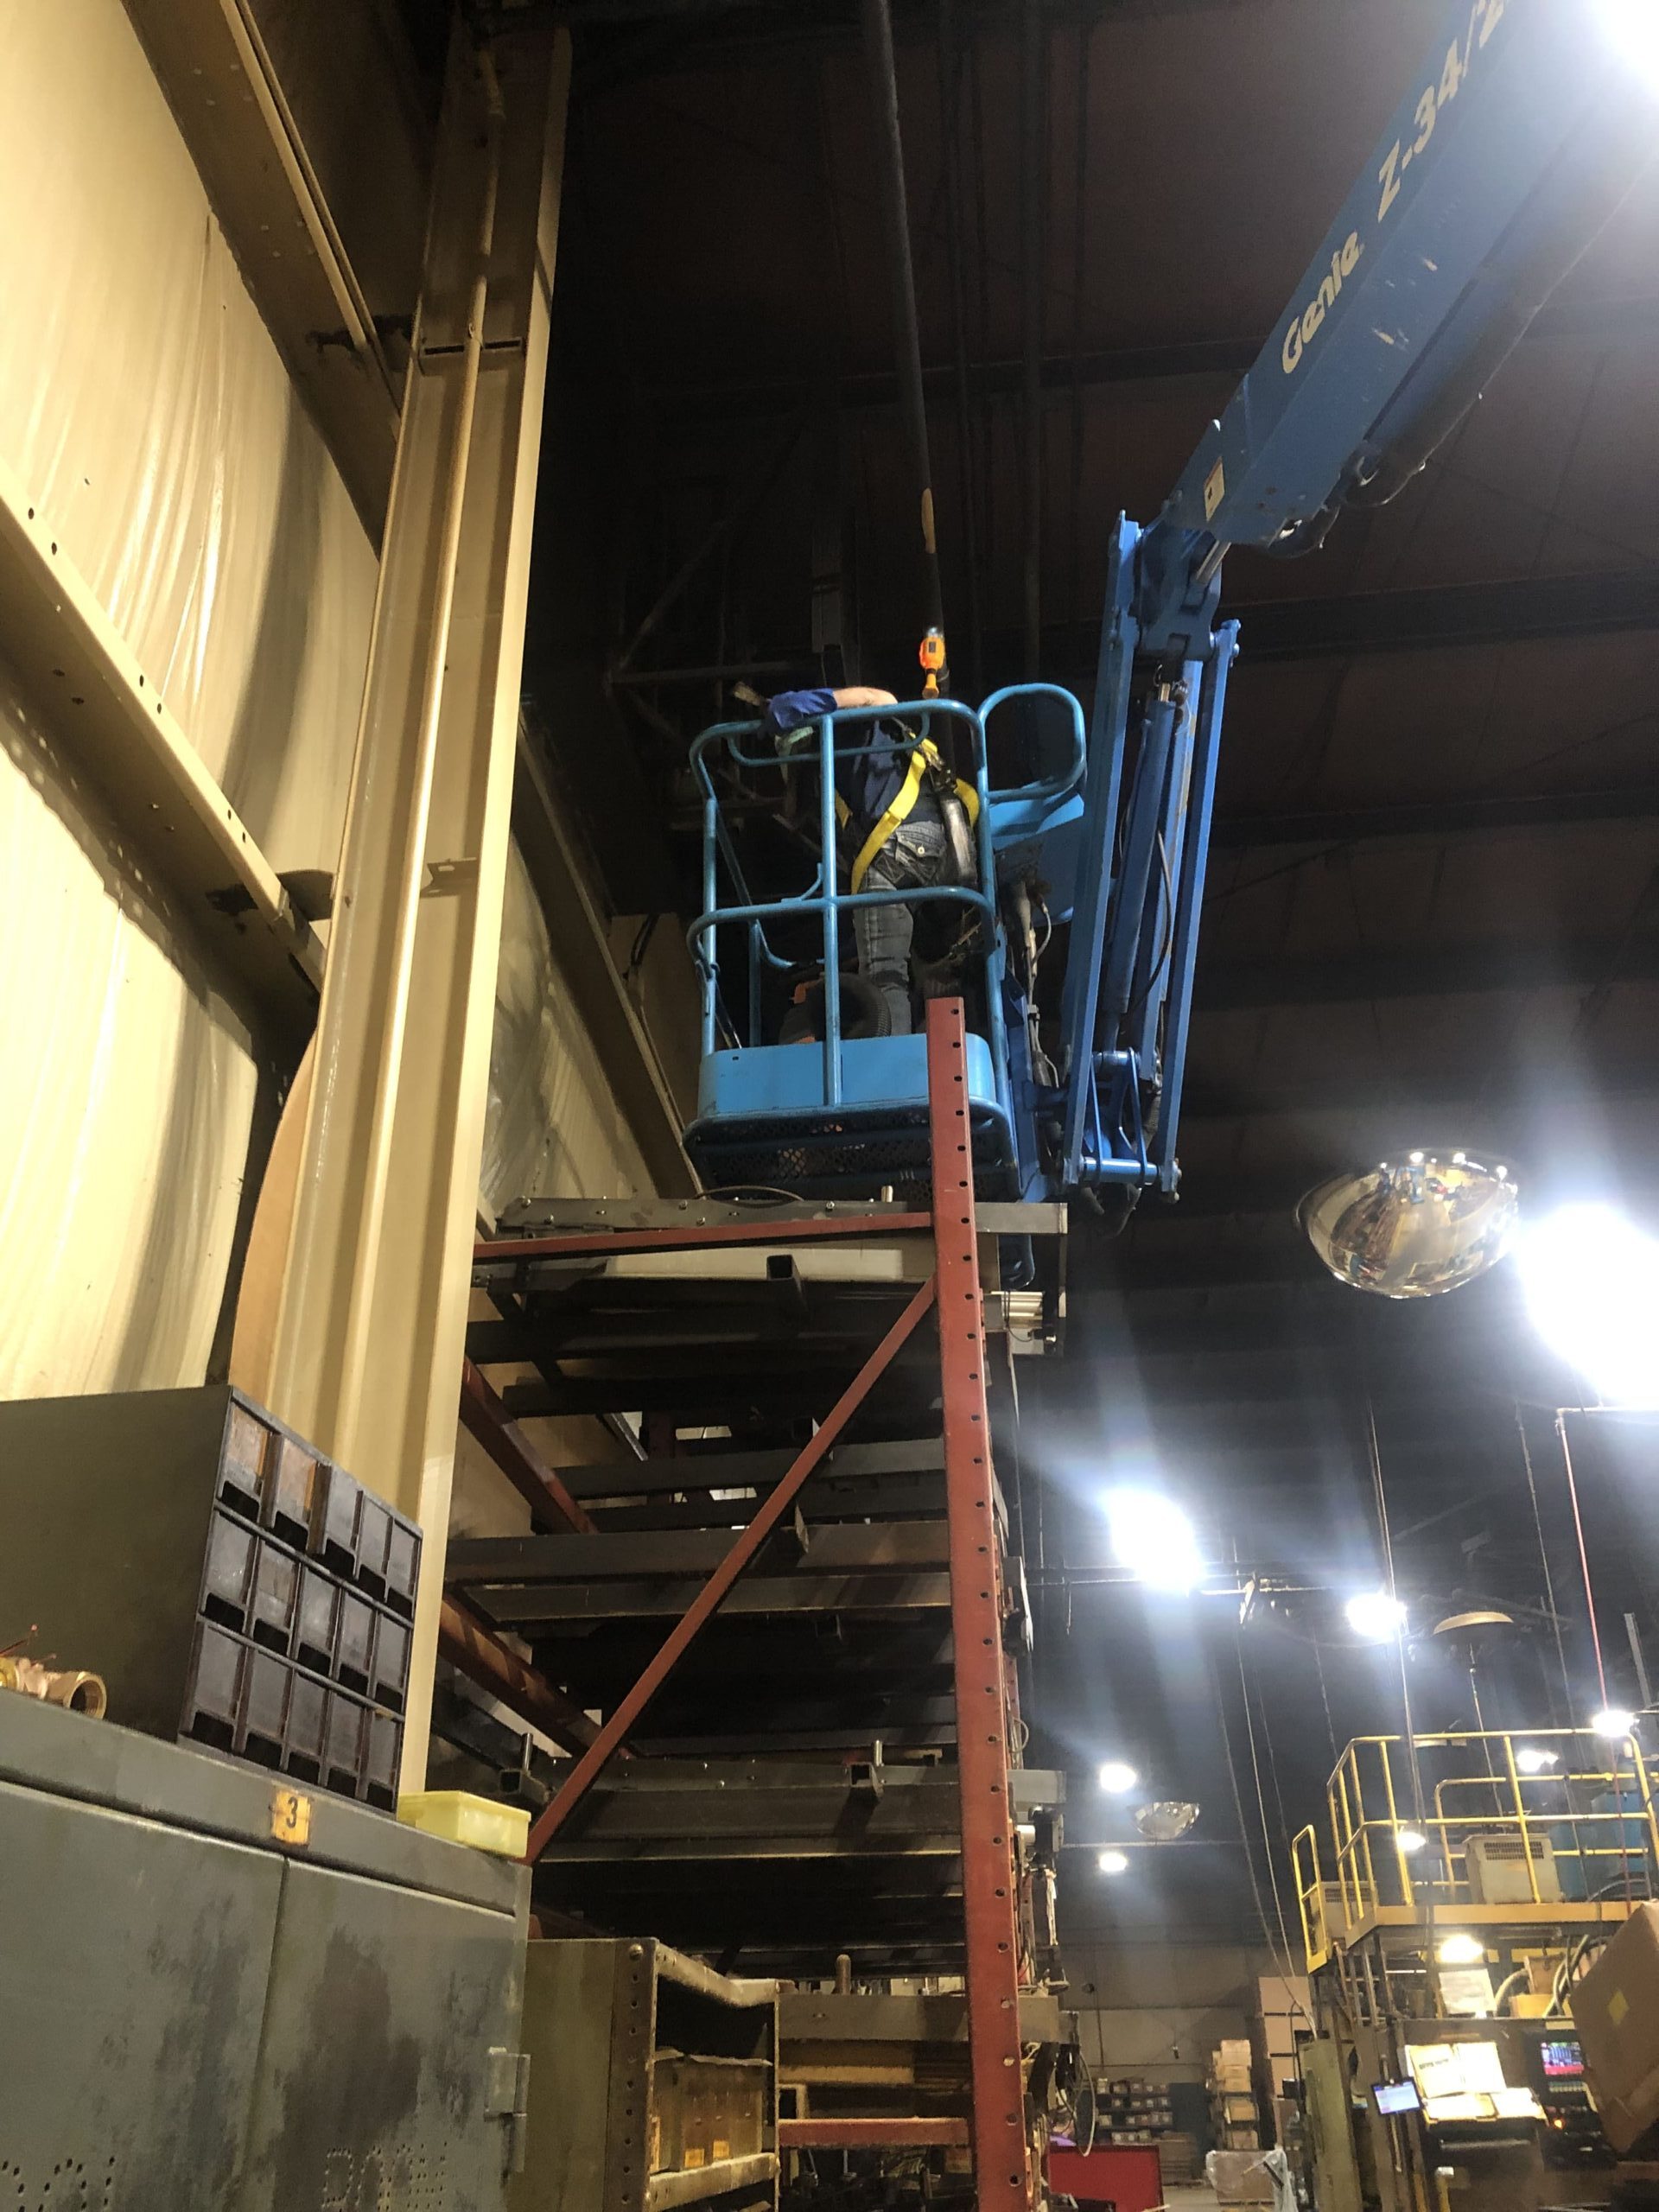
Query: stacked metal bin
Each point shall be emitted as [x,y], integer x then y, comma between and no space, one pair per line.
[232,1587]
[653,2082]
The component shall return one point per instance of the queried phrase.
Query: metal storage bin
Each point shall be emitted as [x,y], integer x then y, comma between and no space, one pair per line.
[231,1586]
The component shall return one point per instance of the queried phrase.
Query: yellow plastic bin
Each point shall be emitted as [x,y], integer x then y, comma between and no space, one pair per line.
[459,1817]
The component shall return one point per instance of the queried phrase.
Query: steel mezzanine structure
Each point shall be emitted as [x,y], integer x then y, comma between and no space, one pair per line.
[984,1695]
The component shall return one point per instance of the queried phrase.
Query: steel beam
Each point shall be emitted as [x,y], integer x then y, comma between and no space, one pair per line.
[820,2016]
[1593,322]
[844,1548]
[537,1606]
[1403,1097]
[1497,613]
[1507,611]
[368,1280]
[1435,971]
[854,1464]
[707,1397]
[721,1583]
[110,715]
[624,1243]
[224,93]
[1428,819]
[487,1419]
[1000,2163]
[872,2134]
[472,1648]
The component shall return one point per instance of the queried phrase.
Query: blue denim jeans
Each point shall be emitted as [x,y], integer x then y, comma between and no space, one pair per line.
[911,858]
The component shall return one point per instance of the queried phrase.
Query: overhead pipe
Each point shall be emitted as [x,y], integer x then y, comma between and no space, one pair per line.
[907,345]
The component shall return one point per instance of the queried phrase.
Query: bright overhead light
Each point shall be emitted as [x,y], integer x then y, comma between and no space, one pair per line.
[1462,1951]
[1153,1539]
[1375,1615]
[1612,1721]
[1631,28]
[1409,1840]
[1114,1862]
[1118,1777]
[1591,1284]
[1532,1759]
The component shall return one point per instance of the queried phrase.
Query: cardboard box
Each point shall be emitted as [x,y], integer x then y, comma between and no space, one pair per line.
[1232,2066]
[1238,2177]
[1616,2010]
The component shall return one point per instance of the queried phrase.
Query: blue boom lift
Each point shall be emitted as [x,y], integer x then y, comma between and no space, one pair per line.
[1530,122]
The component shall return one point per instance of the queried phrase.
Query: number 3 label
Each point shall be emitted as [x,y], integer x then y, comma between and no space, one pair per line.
[291,1817]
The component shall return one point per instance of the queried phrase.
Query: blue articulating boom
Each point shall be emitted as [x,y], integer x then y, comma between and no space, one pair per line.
[1528,122]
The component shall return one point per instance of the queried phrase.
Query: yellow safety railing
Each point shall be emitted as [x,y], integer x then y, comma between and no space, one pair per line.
[1401,1817]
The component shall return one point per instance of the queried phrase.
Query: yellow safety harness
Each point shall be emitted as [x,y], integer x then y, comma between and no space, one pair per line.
[924,756]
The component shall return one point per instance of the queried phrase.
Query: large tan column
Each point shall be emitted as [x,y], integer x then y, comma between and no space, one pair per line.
[365,1283]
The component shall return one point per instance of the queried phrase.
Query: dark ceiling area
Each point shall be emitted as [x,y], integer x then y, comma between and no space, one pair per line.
[1433,914]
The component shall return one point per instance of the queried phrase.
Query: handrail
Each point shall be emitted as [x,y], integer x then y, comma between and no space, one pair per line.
[1513,1802]
[1049,787]
[825,898]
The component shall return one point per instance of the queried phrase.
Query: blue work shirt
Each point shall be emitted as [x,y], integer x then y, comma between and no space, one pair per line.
[869,781]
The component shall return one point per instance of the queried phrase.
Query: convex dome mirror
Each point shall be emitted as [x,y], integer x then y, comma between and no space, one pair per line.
[1415,1226]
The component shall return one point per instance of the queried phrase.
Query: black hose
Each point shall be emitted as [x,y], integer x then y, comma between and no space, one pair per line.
[907,336]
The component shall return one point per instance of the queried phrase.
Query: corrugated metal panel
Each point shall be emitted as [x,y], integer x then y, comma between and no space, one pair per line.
[144,407]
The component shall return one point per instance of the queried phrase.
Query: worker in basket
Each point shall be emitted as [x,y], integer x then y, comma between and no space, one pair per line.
[906,821]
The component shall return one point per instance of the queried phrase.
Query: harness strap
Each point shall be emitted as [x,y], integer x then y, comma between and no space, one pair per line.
[924,756]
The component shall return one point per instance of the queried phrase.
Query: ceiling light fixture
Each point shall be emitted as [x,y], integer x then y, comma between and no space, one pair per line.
[1375,1615]
[1612,1721]
[1118,1777]
[1153,1539]
[1631,28]
[1532,1759]
[1114,1862]
[1462,1951]
[1408,1841]
[1591,1283]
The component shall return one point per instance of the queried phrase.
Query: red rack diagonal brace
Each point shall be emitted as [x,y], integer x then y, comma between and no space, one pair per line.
[716,1590]
[998,2127]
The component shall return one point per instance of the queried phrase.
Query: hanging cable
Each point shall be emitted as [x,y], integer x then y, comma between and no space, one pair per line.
[1282,1955]
[906,338]
[1413,1765]
[1584,1555]
[1262,1809]
[1543,1556]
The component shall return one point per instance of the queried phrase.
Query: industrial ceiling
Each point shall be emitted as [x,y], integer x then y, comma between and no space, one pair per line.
[1432,915]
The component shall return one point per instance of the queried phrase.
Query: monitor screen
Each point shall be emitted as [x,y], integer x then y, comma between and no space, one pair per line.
[1396,2096]
[1563,2061]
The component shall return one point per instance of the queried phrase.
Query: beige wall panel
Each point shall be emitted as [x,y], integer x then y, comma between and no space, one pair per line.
[126,1091]
[553,1128]
[145,406]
